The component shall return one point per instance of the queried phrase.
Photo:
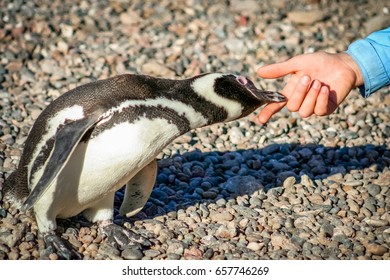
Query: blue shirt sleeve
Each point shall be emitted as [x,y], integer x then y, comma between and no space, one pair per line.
[372,54]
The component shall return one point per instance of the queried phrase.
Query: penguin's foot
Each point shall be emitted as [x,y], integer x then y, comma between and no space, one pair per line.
[116,235]
[55,244]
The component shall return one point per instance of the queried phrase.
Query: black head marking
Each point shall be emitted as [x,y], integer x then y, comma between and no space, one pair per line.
[243,90]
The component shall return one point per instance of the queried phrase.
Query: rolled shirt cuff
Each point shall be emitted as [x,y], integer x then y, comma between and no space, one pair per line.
[371,66]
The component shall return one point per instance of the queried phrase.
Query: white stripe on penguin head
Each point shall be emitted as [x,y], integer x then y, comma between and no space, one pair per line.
[204,86]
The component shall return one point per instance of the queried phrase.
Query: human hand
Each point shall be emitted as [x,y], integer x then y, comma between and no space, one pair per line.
[319,82]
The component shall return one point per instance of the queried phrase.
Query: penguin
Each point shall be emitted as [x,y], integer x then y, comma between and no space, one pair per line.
[98,137]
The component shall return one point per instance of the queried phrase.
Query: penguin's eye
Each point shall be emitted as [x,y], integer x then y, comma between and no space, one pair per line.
[242,80]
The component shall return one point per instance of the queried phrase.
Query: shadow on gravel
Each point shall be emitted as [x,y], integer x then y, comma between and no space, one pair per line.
[196,177]
[184,180]
[201,178]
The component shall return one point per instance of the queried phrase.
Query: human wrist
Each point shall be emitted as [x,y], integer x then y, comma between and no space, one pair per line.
[352,65]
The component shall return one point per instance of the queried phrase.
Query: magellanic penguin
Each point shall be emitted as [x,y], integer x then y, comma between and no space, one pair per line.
[96,138]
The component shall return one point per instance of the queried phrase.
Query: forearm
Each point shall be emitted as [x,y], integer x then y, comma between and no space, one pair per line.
[372,55]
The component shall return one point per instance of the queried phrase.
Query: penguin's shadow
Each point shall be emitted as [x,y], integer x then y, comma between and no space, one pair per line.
[183,179]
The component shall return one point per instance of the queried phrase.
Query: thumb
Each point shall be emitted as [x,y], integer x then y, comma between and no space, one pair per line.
[277,70]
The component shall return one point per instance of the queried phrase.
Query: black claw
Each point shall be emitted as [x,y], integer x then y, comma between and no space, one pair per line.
[117,235]
[61,247]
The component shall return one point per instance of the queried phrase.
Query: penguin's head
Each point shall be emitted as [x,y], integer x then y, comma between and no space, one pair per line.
[236,94]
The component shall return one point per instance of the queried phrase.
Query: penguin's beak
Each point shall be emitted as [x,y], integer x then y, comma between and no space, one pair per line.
[264,95]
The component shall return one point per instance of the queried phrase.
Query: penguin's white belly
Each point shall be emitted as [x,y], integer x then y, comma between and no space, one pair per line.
[105,163]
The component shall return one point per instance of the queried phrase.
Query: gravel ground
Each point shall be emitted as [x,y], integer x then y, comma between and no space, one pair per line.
[315,188]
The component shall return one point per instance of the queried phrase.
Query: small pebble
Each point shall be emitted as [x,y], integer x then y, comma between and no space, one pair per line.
[254,246]
[132,254]
[376,249]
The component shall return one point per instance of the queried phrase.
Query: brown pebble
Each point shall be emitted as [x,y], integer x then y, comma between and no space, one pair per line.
[36,254]
[376,249]
[2,33]
[260,228]
[193,253]
[94,254]
[86,239]
[222,216]
[92,247]
[377,222]
[17,31]
[25,246]
[255,246]
[306,17]
[84,231]
[94,232]
[13,255]
[14,66]
[41,244]
[53,256]
[98,239]
[25,255]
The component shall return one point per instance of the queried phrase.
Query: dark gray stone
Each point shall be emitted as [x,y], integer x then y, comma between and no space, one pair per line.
[209,195]
[256,202]
[327,229]
[175,248]
[8,239]
[208,254]
[245,211]
[241,185]
[373,189]
[305,153]
[173,256]
[132,254]
[109,251]
[152,253]
[270,149]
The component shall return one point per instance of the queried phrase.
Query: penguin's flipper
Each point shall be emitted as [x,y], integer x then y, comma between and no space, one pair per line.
[66,140]
[138,190]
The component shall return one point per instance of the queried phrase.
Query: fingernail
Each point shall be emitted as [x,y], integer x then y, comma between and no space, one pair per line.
[316,84]
[305,80]
[260,121]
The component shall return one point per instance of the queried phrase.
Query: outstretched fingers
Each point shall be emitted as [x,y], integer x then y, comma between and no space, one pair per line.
[267,112]
[278,70]
[309,103]
[299,93]
[322,104]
